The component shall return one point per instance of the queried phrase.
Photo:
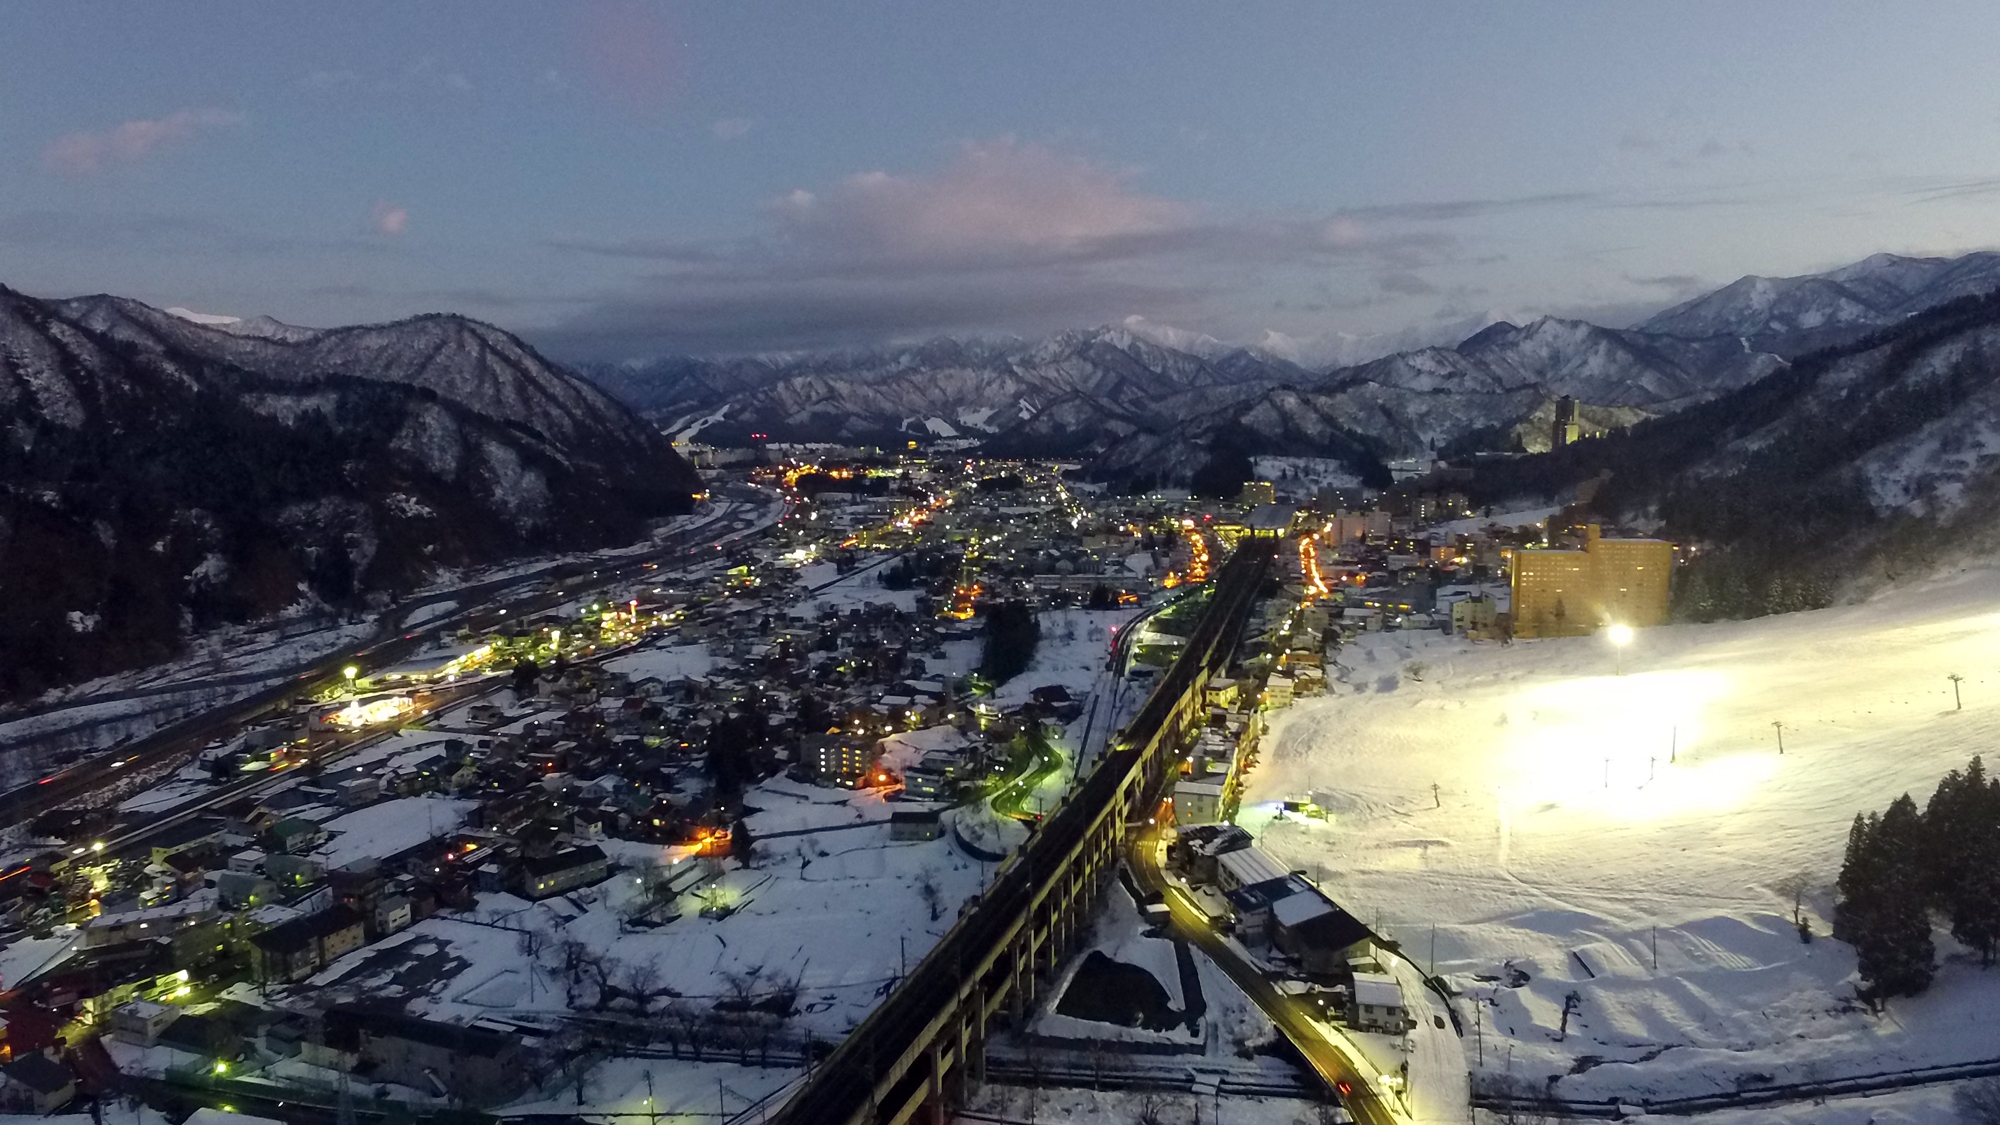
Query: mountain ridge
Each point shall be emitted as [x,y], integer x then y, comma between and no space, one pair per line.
[161,477]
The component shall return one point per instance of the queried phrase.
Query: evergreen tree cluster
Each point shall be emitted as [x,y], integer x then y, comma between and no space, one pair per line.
[1731,587]
[1904,864]
[1011,635]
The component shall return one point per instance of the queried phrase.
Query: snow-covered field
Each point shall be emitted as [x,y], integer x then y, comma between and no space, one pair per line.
[841,913]
[1072,652]
[1581,818]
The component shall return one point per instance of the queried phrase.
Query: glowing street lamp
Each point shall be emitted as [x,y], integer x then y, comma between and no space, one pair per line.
[1619,636]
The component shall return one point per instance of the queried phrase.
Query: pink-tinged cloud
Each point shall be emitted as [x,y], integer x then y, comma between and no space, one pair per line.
[390,219]
[630,51]
[83,153]
[999,198]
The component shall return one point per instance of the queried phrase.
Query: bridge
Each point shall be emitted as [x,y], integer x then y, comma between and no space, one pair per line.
[928,1035]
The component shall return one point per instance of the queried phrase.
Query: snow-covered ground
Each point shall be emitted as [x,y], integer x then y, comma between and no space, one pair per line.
[669,663]
[1074,646]
[841,913]
[861,586]
[1581,818]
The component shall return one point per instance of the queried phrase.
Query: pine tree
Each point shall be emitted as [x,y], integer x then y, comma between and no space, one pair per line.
[1962,829]
[1899,959]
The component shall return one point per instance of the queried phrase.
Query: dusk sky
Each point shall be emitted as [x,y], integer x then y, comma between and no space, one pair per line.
[619,179]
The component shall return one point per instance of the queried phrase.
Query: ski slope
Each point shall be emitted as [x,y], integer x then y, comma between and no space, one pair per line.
[1584,820]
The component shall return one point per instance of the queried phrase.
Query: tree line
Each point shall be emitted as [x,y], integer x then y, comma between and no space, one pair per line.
[1905,865]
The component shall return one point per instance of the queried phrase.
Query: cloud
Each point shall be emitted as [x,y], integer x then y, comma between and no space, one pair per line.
[1405,283]
[84,153]
[730,128]
[1679,282]
[1004,235]
[389,219]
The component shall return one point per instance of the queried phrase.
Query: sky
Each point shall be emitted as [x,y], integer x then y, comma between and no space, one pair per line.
[621,180]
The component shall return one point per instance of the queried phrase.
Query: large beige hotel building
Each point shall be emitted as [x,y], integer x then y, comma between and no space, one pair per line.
[1567,592]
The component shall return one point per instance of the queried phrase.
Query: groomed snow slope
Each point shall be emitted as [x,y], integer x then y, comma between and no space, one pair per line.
[1577,810]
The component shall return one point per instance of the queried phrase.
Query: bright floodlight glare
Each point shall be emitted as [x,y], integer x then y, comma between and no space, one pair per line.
[1620,635]
[350,671]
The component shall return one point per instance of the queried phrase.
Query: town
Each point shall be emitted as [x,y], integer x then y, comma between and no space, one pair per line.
[714,816]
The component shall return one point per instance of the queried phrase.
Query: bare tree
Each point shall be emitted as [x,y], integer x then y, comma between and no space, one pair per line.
[927,886]
[1151,1106]
[1794,888]
[640,982]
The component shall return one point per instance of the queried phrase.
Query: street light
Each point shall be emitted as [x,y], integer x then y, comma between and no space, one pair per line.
[1619,635]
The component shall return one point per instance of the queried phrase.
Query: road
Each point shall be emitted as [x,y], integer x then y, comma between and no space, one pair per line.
[479,606]
[1340,1067]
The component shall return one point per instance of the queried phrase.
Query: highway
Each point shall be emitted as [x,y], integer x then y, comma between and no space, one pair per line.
[749,510]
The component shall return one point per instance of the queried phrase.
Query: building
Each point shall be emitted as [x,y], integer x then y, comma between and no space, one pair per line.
[1257,492]
[1377,1005]
[36,1083]
[1476,618]
[915,824]
[1246,867]
[1565,430]
[1270,521]
[831,758]
[1319,936]
[546,876]
[1199,801]
[294,950]
[478,1065]
[1570,592]
[142,1021]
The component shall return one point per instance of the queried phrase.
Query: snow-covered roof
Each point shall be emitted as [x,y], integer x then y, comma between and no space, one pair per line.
[1299,908]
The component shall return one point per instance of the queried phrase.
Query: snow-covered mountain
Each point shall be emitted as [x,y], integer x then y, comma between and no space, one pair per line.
[1141,395]
[1131,403]
[1793,315]
[1876,458]
[162,474]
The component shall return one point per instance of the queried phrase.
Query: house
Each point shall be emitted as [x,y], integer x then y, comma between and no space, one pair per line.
[36,1083]
[393,914]
[1245,867]
[1318,935]
[294,835]
[545,876]
[915,824]
[294,950]
[475,1064]
[1377,1005]
[141,1021]
[195,834]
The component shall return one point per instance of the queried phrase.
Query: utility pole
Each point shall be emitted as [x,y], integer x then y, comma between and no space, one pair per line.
[1674,745]
[1779,726]
[1656,949]
[1479,1028]
[1607,773]
[1436,803]
[1957,704]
